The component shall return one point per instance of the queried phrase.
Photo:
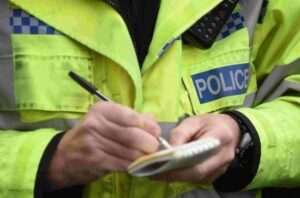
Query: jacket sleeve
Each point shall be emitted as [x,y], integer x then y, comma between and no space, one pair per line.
[20,155]
[276,113]
[43,188]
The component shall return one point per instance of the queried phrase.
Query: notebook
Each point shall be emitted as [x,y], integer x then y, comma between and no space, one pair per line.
[173,158]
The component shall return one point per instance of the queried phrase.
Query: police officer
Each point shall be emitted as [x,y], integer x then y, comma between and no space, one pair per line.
[147,56]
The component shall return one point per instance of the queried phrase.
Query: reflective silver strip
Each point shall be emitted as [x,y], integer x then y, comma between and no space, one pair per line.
[7,97]
[283,87]
[249,100]
[275,78]
[166,47]
[166,128]
[11,121]
[250,9]
[199,193]
[244,194]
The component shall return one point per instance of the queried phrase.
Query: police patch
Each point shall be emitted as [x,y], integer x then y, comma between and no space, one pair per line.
[221,82]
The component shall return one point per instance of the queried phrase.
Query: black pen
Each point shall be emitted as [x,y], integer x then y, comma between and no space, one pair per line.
[88,86]
[94,91]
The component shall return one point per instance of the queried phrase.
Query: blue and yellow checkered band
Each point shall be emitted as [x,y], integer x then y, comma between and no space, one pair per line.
[235,22]
[23,23]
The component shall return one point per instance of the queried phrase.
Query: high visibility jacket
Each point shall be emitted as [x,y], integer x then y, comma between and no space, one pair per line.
[252,67]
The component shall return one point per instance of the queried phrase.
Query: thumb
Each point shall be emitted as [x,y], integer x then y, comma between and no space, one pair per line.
[186,131]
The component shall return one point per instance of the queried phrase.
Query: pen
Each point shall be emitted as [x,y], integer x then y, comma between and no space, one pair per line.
[87,86]
[94,91]
[164,143]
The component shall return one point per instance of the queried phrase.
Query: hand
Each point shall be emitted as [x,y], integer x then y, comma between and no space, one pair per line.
[108,138]
[222,127]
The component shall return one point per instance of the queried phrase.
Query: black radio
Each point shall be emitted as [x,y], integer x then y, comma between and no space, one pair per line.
[204,32]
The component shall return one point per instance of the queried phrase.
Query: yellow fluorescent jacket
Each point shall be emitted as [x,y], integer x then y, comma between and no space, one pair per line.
[253,68]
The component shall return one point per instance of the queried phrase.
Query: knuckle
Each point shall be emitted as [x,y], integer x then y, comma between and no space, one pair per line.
[175,132]
[103,107]
[130,154]
[89,124]
[97,107]
[123,153]
[201,118]
[149,117]
[87,145]
[190,120]
[126,153]
[130,137]
[136,118]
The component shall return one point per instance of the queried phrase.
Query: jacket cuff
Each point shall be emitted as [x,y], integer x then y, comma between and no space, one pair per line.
[244,167]
[21,153]
[43,188]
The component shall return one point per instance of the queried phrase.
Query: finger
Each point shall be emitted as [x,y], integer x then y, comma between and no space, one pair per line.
[212,177]
[111,163]
[131,137]
[178,175]
[118,150]
[186,130]
[150,125]
[210,168]
[197,173]
[124,116]
[117,113]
